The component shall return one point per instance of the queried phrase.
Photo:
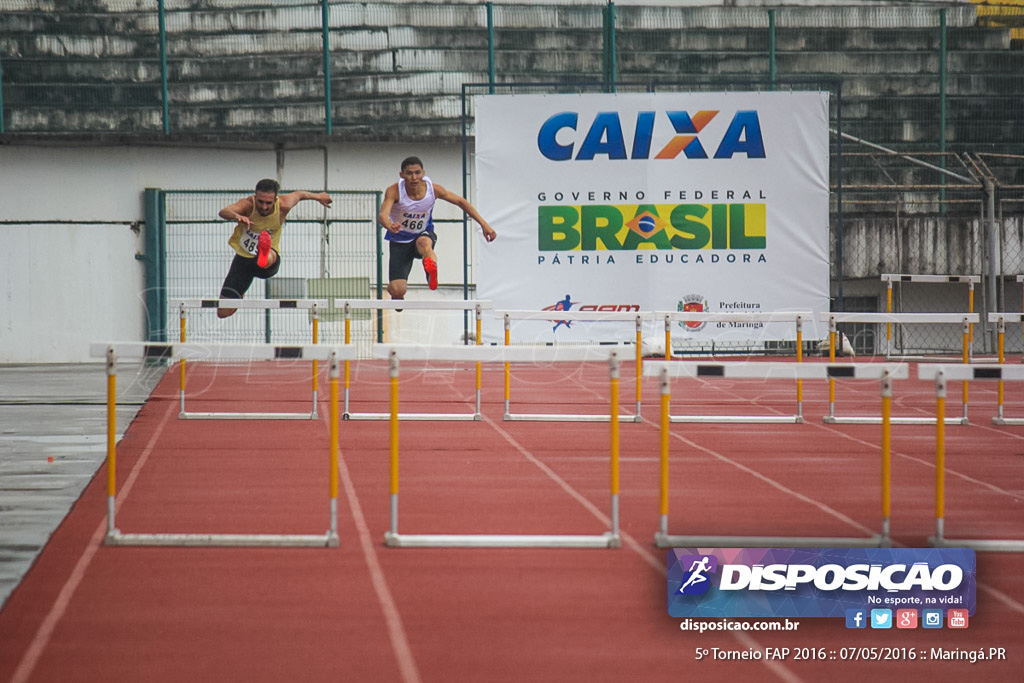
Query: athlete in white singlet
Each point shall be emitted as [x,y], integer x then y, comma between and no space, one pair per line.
[407,213]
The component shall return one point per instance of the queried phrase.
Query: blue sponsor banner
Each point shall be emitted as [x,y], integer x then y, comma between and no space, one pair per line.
[817,582]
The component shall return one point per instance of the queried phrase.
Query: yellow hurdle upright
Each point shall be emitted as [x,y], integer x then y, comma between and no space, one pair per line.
[500,354]
[834,317]
[941,375]
[268,352]
[1001,319]
[475,305]
[636,317]
[762,370]
[312,305]
[796,318]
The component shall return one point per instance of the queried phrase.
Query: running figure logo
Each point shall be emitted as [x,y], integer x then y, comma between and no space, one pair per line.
[563,305]
[696,580]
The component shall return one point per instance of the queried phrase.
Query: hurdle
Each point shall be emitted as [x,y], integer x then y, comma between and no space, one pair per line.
[795,317]
[571,316]
[835,317]
[165,351]
[314,306]
[941,374]
[476,305]
[886,372]
[500,354]
[1001,319]
[890,278]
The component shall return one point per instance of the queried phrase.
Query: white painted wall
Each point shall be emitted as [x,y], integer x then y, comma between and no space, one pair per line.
[63,286]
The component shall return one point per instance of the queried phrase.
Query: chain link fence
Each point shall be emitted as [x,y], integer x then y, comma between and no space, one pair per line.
[321,258]
[927,166]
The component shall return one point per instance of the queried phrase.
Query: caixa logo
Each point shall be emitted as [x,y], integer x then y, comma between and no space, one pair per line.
[562,138]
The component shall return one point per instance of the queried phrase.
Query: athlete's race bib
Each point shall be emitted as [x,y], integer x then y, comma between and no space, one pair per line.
[414,222]
[250,240]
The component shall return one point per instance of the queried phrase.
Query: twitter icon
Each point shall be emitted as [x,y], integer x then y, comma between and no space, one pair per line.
[881,618]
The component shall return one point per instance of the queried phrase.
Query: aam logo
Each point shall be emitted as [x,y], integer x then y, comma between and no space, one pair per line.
[567,304]
[605,136]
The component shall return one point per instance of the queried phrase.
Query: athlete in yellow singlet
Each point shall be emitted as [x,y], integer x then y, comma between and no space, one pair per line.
[256,239]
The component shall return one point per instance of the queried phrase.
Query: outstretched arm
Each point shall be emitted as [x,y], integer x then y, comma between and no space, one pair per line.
[238,212]
[463,203]
[384,217]
[288,201]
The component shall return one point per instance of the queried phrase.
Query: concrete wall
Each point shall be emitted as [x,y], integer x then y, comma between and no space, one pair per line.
[64,285]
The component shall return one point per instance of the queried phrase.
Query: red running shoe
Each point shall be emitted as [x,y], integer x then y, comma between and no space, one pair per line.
[430,266]
[263,250]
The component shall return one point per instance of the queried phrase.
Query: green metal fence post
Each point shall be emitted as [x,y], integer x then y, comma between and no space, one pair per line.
[465,220]
[491,69]
[772,73]
[610,57]
[942,108]
[1,97]
[154,259]
[840,304]
[326,21]
[379,245]
[166,115]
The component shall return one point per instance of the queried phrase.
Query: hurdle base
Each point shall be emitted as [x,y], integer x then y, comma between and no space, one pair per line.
[872,420]
[738,419]
[247,416]
[436,417]
[662,540]
[555,417]
[328,540]
[1003,421]
[394,540]
[984,545]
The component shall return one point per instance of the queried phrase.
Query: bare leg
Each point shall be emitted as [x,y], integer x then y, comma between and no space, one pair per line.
[425,247]
[397,288]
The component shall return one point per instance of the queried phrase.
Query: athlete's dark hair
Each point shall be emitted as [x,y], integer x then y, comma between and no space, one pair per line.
[268,185]
[411,161]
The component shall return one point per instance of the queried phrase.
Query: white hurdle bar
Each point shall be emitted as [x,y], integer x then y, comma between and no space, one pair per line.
[573,316]
[1001,319]
[795,317]
[835,317]
[475,305]
[151,351]
[941,374]
[886,372]
[500,354]
[314,306]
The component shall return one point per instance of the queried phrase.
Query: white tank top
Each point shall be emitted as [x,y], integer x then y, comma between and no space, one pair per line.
[414,215]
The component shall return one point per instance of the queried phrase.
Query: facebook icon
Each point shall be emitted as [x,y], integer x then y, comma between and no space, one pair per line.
[856,618]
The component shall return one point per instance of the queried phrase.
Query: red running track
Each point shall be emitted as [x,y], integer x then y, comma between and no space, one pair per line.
[366,612]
